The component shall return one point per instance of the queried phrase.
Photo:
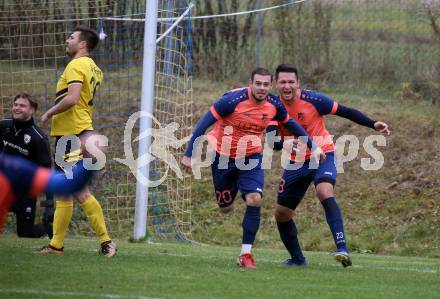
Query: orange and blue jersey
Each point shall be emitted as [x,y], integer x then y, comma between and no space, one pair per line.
[240,122]
[309,109]
[18,176]
[21,177]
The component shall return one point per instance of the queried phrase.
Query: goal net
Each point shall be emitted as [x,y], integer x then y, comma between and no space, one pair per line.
[32,43]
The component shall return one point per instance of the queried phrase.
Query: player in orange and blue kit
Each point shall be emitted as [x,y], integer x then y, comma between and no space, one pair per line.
[21,177]
[309,108]
[241,117]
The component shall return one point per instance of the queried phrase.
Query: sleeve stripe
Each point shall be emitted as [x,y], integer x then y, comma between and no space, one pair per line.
[214,113]
[273,123]
[286,119]
[75,81]
[41,178]
[61,92]
[334,108]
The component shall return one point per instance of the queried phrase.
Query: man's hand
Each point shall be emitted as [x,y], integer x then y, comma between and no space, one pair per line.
[186,163]
[318,155]
[381,127]
[291,144]
[45,119]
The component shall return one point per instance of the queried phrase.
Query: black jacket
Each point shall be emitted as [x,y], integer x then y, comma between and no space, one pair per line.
[24,138]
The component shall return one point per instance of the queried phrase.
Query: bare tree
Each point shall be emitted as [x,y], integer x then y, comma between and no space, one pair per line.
[431,9]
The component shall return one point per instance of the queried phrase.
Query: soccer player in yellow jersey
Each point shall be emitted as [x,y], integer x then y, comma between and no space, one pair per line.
[72,115]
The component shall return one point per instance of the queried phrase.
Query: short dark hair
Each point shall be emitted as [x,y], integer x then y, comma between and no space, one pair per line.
[23,95]
[261,71]
[286,68]
[88,35]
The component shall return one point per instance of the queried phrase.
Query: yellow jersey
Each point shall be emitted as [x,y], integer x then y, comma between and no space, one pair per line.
[77,118]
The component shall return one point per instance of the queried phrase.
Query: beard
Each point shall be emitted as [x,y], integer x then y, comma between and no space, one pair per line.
[258,98]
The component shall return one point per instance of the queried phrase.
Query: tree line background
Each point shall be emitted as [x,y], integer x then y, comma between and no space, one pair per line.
[369,44]
[378,44]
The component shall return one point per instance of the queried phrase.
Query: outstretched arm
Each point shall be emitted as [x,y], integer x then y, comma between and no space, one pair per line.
[18,175]
[298,131]
[25,177]
[204,123]
[361,119]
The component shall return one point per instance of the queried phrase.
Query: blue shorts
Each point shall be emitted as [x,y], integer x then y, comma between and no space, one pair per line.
[294,183]
[228,178]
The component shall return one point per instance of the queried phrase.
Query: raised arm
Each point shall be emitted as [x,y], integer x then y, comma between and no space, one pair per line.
[361,119]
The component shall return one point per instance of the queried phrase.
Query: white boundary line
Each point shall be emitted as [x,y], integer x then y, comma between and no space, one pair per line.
[60,294]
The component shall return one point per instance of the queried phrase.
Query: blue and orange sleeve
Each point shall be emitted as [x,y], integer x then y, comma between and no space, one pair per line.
[220,109]
[324,104]
[299,131]
[204,123]
[19,172]
[39,183]
[6,199]
[225,105]
[24,177]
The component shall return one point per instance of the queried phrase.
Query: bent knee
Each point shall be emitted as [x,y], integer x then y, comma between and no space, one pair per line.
[324,190]
[253,199]
[83,195]
[283,214]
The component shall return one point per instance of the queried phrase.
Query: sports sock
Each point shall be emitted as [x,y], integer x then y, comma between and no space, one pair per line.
[93,210]
[61,220]
[245,248]
[289,236]
[250,224]
[333,215]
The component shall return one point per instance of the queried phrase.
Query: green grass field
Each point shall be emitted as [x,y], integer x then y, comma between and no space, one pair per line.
[176,270]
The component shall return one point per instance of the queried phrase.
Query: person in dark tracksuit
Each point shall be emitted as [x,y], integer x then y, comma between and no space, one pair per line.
[20,136]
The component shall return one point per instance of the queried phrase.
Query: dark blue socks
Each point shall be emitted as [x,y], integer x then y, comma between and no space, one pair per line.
[288,234]
[333,215]
[251,223]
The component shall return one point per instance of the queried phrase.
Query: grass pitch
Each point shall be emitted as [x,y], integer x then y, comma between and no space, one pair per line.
[175,270]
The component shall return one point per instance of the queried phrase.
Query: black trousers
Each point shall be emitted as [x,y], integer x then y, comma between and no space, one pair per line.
[24,210]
